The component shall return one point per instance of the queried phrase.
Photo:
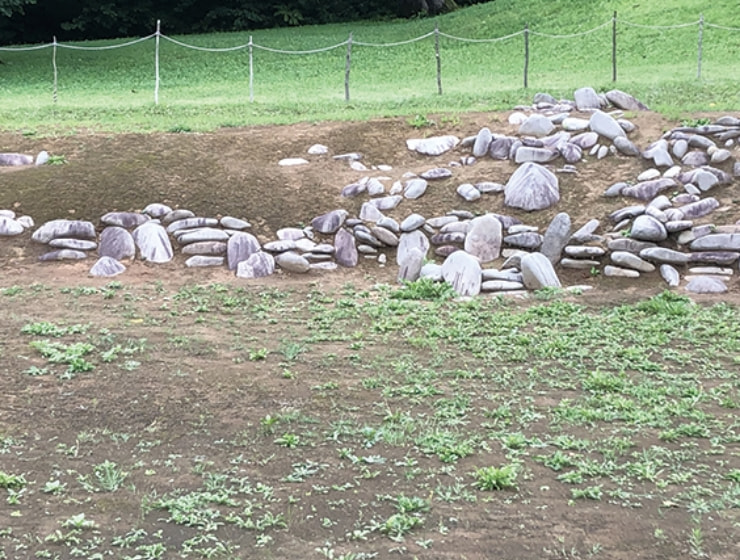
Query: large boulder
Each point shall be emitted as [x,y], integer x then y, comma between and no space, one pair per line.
[240,247]
[434,146]
[153,242]
[532,187]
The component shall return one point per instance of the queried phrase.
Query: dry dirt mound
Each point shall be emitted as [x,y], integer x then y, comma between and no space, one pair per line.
[235,172]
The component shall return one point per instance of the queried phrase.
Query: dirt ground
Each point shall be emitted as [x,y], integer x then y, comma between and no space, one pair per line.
[235,172]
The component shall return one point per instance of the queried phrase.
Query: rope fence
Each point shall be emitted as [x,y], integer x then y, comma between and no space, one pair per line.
[436,34]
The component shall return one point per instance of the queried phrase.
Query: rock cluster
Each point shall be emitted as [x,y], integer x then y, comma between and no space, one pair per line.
[657,231]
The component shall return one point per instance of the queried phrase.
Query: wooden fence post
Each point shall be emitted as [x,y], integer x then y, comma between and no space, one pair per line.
[54,66]
[251,72]
[526,56]
[347,67]
[156,65]
[439,59]
[701,40]
[614,47]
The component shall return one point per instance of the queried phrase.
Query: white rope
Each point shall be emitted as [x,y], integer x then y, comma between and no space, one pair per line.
[314,51]
[678,26]
[205,49]
[572,35]
[106,48]
[722,27]
[466,40]
[34,48]
[397,44]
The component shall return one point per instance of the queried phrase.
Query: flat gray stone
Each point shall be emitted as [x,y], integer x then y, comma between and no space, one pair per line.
[670,275]
[484,238]
[625,146]
[625,101]
[15,160]
[584,251]
[434,146]
[202,234]
[178,214]
[556,237]
[126,220]
[706,285]
[410,269]
[415,188]
[240,247]
[258,265]
[191,223]
[482,142]
[293,262]
[586,99]
[208,248]
[605,125]
[153,242]
[629,260]
[647,228]
[107,267]
[536,125]
[617,272]
[386,202]
[156,210]
[586,140]
[407,241]
[532,187]
[647,190]
[77,229]
[463,272]
[77,244]
[116,243]
[385,236]
[699,208]
[717,242]
[202,261]
[536,155]
[538,272]
[345,249]
[237,224]
[412,222]
[524,240]
[500,286]
[468,192]
[10,227]
[661,255]
[63,255]
[436,174]
[330,222]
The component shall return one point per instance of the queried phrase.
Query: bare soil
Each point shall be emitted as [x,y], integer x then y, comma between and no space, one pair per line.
[194,395]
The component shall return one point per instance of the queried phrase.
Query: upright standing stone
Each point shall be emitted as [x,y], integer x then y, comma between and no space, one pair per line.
[538,272]
[153,242]
[463,272]
[240,247]
[484,238]
[556,237]
[345,249]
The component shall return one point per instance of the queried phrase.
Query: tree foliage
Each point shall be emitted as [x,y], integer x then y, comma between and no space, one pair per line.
[31,21]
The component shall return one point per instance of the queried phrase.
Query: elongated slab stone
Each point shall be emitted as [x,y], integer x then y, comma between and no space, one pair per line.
[153,242]
[463,272]
[240,247]
[484,238]
[77,229]
[717,242]
[538,272]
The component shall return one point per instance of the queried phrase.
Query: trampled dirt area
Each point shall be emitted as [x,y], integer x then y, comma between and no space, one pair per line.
[222,418]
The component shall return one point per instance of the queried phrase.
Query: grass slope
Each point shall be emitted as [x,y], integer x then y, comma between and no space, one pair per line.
[114,89]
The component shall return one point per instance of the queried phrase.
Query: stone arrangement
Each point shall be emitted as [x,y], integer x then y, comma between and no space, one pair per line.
[656,232]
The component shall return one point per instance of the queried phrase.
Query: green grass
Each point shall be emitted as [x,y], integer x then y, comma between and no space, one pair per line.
[114,89]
